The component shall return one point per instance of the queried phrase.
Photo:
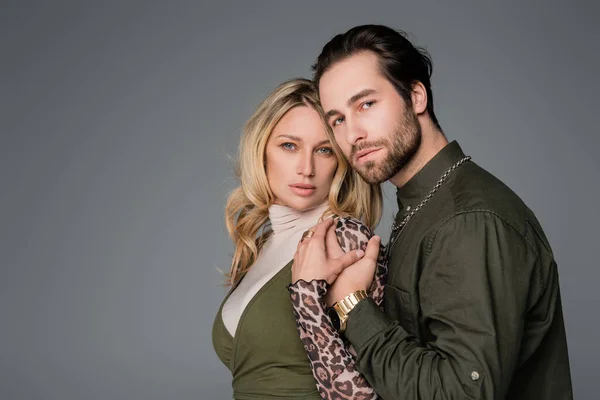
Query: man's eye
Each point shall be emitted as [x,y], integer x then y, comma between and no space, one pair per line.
[338,121]
[367,104]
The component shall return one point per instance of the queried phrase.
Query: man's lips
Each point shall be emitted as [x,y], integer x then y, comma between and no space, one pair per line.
[365,154]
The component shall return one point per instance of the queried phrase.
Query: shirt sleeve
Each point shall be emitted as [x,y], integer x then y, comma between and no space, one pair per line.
[331,356]
[473,296]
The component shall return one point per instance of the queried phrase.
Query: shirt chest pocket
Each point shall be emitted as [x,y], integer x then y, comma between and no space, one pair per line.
[397,305]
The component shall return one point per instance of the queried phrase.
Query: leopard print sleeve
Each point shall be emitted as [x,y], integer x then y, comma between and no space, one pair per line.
[330,355]
[353,235]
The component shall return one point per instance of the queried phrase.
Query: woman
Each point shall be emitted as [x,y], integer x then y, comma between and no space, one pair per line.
[291,176]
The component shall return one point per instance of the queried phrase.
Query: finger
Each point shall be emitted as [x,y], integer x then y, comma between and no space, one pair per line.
[307,235]
[347,259]
[369,261]
[321,228]
[331,241]
[372,250]
[299,245]
[303,240]
[301,249]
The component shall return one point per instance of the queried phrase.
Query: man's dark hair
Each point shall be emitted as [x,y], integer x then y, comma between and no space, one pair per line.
[401,62]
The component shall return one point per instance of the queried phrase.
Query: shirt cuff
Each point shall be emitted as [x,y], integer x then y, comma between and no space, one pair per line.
[365,320]
[318,286]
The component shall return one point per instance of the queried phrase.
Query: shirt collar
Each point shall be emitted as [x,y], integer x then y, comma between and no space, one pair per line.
[284,218]
[419,186]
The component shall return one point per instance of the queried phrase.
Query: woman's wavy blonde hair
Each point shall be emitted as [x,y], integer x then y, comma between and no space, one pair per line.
[246,211]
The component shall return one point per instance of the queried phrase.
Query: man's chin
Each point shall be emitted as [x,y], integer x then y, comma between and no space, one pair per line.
[372,175]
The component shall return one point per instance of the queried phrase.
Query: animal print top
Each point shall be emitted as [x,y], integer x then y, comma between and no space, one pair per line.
[331,355]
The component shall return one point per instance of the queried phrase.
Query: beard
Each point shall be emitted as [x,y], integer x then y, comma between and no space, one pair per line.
[401,146]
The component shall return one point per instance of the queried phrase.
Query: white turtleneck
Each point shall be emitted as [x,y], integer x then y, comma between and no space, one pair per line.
[287,225]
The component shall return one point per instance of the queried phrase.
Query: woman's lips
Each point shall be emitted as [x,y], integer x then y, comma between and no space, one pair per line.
[303,190]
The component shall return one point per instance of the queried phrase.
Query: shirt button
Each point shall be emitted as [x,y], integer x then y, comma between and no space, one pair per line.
[407,208]
[475,375]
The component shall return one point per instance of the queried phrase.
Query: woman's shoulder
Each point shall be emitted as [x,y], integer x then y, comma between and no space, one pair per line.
[352,233]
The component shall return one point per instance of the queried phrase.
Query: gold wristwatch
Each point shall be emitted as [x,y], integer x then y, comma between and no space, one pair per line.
[338,313]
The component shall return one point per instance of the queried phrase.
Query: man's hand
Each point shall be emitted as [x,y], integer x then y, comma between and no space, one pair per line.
[357,276]
[314,260]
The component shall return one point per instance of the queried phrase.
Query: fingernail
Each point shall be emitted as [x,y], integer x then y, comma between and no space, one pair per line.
[360,253]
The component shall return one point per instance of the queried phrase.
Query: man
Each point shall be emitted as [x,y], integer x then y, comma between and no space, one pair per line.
[472,301]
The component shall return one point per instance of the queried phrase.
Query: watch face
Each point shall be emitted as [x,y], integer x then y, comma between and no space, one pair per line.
[334,317]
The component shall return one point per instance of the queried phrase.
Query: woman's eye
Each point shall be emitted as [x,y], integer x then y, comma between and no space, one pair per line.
[288,146]
[325,150]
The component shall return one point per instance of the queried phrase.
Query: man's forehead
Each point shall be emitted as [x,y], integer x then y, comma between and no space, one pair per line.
[340,94]
[357,71]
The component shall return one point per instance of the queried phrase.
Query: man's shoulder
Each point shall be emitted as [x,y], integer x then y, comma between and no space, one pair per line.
[474,189]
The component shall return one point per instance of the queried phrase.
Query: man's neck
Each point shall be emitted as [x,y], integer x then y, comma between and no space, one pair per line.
[432,141]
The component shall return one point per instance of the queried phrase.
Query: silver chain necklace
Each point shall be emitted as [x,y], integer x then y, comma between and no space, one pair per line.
[397,228]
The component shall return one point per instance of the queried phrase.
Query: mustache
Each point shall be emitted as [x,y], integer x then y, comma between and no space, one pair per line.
[367,145]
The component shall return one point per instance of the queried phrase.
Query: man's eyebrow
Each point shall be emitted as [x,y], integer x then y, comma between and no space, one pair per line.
[351,100]
[360,95]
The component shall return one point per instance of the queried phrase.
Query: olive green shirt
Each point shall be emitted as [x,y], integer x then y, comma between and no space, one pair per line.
[266,357]
[472,302]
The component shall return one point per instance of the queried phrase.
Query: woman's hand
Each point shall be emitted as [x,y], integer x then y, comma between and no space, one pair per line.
[320,256]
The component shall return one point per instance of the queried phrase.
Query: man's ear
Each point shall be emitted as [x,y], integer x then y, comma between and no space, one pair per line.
[419,97]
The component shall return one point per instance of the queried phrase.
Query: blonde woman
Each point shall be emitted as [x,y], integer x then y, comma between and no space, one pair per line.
[292,175]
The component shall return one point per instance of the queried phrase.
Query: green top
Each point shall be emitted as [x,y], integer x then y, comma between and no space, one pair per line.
[472,303]
[266,357]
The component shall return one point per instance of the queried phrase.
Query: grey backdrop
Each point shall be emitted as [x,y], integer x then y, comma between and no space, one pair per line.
[116,119]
